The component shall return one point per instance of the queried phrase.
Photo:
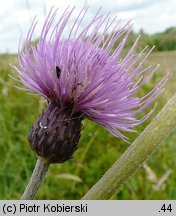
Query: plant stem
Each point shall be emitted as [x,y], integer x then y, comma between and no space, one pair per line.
[134,157]
[36,180]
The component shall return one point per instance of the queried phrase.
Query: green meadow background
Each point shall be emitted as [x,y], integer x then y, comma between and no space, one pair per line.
[98,149]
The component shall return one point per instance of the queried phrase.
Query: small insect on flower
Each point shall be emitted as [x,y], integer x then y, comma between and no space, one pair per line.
[58,71]
[83,76]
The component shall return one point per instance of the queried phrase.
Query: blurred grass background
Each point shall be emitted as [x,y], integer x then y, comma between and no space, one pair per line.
[98,149]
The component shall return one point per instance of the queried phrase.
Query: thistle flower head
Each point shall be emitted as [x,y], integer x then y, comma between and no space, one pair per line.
[81,76]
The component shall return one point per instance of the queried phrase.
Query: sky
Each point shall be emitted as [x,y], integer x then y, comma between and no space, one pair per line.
[16,15]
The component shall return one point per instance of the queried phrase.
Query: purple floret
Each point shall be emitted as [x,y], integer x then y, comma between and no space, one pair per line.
[87,72]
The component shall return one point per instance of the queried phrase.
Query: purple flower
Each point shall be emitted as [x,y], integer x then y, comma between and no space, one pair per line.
[83,76]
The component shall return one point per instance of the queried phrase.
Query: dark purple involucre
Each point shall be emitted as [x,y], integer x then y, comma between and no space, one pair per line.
[83,73]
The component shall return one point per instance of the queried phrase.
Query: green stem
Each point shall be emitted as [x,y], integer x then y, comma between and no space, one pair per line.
[134,157]
[36,180]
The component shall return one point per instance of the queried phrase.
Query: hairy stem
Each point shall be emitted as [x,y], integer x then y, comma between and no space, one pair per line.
[134,157]
[36,180]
